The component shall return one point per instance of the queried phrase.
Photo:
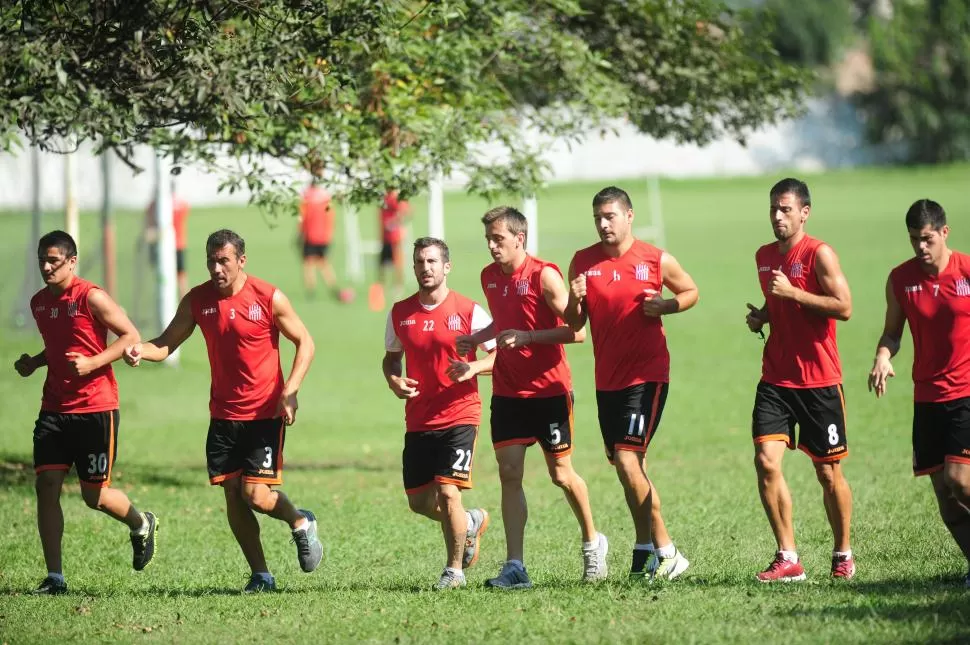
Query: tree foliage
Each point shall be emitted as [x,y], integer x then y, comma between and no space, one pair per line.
[379,93]
[921,94]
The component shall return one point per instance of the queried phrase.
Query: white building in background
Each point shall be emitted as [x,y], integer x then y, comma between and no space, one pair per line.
[829,135]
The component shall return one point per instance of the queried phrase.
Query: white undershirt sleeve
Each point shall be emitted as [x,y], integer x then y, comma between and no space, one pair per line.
[481,320]
[391,342]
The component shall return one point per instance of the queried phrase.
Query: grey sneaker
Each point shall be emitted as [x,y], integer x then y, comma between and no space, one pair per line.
[260,583]
[449,580]
[309,551]
[670,568]
[644,563]
[50,587]
[476,528]
[512,576]
[143,546]
[594,560]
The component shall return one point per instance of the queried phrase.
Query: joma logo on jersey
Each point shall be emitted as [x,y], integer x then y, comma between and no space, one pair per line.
[40,308]
[255,312]
[72,308]
[522,287]
[407,323]
[962,287]
[491,285]
[209,311]
[764,269]
[913,289]
[593,272]
[641,272]
[454,322]
[796,270]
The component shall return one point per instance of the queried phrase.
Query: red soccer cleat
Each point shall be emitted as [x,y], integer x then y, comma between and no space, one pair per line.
[782,570]
[843,566]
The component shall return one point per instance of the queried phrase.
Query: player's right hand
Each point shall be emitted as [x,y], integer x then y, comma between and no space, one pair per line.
[24,365]
[577,287]
[404,387]
[464,344]
[756,318]
[882,371]
[132,355]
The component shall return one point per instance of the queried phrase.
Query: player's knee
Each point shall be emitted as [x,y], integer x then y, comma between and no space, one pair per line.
[511,474]
[562,477]
[47,487]
[418,504]
[628,468]
[766,464]
[448,495]
[92,497]
[957,482]
[258,497]
[828,475]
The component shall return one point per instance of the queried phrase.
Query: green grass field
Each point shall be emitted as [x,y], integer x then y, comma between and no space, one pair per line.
[343,461]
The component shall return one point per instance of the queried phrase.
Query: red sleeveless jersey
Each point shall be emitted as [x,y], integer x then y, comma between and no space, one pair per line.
[516,302]
[67,325]
[316,216]
[629,347]
[428,338]
[244,349]
[801,351]
[937,309]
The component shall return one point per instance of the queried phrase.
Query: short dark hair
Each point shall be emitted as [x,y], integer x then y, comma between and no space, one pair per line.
[60,240]
[923,212]
[612,194]
[425,242]
[794,186]
[224,236]
[514,220]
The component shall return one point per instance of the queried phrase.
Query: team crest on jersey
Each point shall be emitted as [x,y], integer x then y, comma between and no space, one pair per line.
[963,287]
[522,287]
[255,312]
[454,322]
[797,270]
[72,308]
[642,272]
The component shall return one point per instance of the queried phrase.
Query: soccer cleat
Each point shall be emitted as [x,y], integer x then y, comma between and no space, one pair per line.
[143,545]
[50,587]
[782,570]
[843,566]
[449,580]
[669,568]
[512,576]
[473,536]
[309,551]
[594,560]
[260,583]
[644,563]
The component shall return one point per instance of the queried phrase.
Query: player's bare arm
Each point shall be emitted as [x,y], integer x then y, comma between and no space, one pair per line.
[158,349]
[468,342]
[557,297]
[575,313]
[679,283]
[292,327]
[836,302]
[106,311]
[757,317]
[892,333]
[460,371]
[393,368]
[27,364]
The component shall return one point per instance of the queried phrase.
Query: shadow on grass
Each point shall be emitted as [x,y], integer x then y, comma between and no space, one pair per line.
[15,470]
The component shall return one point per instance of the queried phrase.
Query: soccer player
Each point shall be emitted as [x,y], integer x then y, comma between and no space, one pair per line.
[78,420]
[394,212]
[932,293]
[250,404]
[442,410]
[616,284]
[316,231]
[805,293]
[532,390]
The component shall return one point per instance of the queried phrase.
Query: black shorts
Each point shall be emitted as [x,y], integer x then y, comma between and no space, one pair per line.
[179,260]
[547,420]
[444,456]
[941,433]
[629,417]
[388,253]
[87,441]
[315,250]
[818,411]
[252,450]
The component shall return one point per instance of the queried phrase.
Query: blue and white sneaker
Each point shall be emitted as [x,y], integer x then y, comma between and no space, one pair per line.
[512,576]
[473,537]
[449,580]
[260,583]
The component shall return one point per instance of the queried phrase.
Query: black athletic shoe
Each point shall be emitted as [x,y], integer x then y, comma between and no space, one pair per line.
[143,546]
[50,587]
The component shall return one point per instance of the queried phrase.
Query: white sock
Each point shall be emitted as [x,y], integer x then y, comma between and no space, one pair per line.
[644,547]
[143,530]
[589,546]
[790,556]
[56,576]
[457,573]
[668,551]
[516,563]
[471,521]
[842,554]
[304,526]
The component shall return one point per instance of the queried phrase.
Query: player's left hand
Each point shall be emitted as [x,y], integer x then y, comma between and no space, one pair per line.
[80,364]
[780,285]
[287,408]
[459,371]
[655,305]
[512,338]
[24,365]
